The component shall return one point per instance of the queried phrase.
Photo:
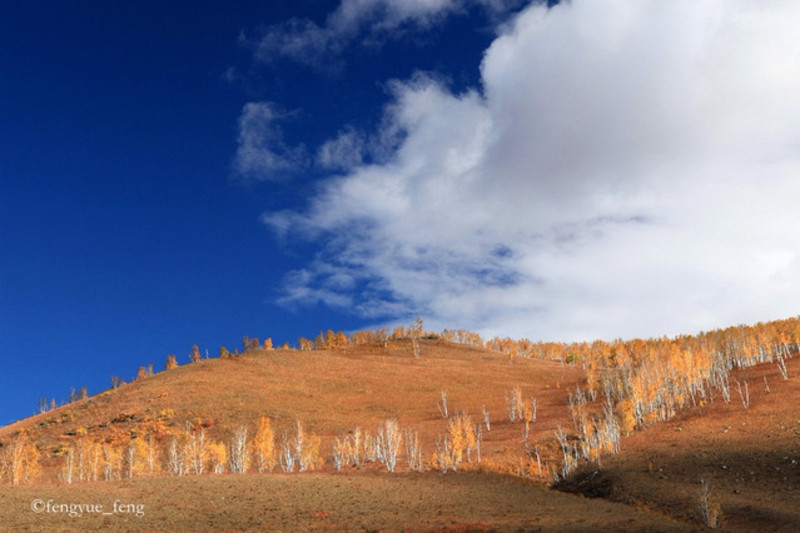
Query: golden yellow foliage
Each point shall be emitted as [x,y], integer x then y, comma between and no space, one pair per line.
[218,456]
[264,445]
[19,461]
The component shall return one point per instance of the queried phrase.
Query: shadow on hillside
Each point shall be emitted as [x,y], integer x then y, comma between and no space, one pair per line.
[757,489]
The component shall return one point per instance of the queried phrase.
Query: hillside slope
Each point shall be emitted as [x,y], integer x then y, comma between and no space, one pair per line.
[744,461]
[329,391]
[748,458]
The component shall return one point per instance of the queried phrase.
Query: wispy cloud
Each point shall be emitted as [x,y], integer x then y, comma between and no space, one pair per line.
[262,153]
[344,152]
[627,168]
[365,22]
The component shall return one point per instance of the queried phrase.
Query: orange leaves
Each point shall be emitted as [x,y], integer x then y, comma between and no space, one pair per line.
[305,344]
[264,445]
[217,456]
[625,413]
[459,441]
[19,461]
[331,340]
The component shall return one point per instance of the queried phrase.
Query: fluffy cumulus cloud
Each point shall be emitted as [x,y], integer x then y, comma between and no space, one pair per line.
[627,169]
[367,22]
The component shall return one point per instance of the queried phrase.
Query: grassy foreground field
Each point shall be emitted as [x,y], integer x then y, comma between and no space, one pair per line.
[323,501]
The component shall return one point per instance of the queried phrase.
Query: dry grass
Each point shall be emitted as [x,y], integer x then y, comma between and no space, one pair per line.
[331,392]
[333,502]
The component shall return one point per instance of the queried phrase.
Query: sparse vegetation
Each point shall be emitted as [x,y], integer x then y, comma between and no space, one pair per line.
[194,356]
[239,455]
[19,461]
[457,444]
[443,405]
[710,509]
[514,405]
[387,444]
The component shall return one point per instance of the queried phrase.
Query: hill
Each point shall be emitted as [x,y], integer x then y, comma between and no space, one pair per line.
[503,423]
[330,392]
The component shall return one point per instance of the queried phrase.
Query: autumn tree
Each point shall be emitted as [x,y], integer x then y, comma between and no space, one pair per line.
[196,451]
[82,461]
[136,458]
[310,459]
[238,456]
[305,344]
[81,394]
[250,344]
[175,461]
[443,405]
[389,440]
[264,445]
[331,340]
[302,450]
[306,449]
[152,455]
[462,438]
[287,457]
[68,470]
[195,355]
[111,462]
[19,461]
[382,336]
[515,405]
[413,450]
[218,456]
[357,447]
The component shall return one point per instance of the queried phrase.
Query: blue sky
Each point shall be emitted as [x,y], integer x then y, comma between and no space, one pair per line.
[127,232]
[174,173]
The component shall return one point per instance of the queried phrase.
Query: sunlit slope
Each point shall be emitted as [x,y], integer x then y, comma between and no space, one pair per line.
[329,391]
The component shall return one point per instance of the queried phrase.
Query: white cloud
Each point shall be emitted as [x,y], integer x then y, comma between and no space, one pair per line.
[628,169]
[344,152]
[368,22]
[262,153]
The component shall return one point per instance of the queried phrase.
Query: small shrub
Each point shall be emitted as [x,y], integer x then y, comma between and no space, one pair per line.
[710,508]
